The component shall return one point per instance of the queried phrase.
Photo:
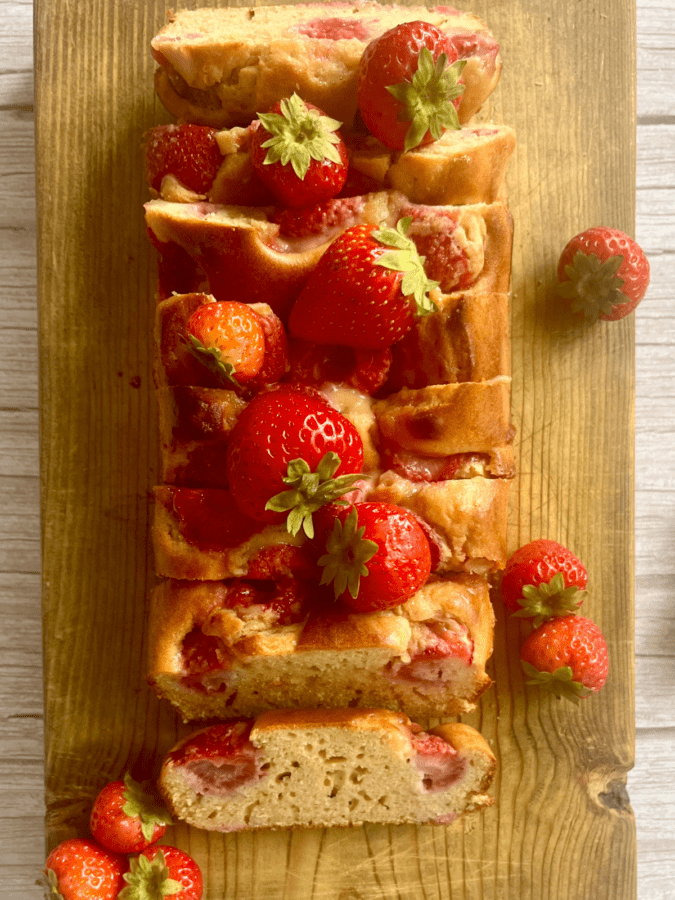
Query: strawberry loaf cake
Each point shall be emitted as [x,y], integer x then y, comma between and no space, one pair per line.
[333,380]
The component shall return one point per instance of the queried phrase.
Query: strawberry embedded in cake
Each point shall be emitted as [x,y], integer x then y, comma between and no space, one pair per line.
[323,768]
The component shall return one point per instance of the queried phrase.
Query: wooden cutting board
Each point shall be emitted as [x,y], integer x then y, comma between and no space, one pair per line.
[561,827]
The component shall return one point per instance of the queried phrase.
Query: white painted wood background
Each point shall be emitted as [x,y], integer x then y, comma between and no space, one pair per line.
[652,782]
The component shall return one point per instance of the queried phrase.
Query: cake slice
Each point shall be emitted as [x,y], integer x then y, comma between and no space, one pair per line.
[235,252]
[238,647]
[464,166]
[222,66]
[320,769]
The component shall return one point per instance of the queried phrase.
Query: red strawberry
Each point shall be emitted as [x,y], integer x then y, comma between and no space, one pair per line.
[189,152]
[284,454]
[366,290]
[177,272]
[376,556]
[438,761]
[125,819]
[275,360]
[160,872]
[444,258]
[298,153]
[568,656]
[79,869]
[543,579]
[409,85]
[228,338]
[218,759]
[603,273]
[364,370]
[319,219]
[210,519]
[202,653]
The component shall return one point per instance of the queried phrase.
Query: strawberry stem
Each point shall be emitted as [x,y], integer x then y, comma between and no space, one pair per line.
[403,257]
[347,553]
[593,286]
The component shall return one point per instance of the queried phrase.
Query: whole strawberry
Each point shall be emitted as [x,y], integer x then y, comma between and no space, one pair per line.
[543,579]
[298,153]
[603,273]
[289,454]
[377,556]
[188,152]
[79,869]
[125,819]
[163,872]
[228,338]
[366,291]
[409,85]
[567,656]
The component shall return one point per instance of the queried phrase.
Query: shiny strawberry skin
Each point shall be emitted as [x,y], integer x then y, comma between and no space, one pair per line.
[389,60]
[189,152]
[86,871]
[236,331]
[604,243]
[210,519]
[319,218]
[573,641]
[402,562]
[113,828]
[350,300]
[280,425]
[536,563]
[275,360]
[323,180]
[182,868]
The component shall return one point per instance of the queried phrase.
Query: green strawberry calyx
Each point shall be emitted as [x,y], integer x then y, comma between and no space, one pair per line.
[213,359]
[403,257]
[50,883]
[300,135]
[141,805]
[149,880]
[547,600]
[347,552]
[426,101]
[593,286]
[561,682]
[309,491]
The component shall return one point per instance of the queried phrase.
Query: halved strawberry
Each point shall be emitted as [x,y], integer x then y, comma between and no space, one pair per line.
[366,290]
[290,453]
[211,520]
[229,339]
[188,152]
[298,153]
[409,85]
[376,556]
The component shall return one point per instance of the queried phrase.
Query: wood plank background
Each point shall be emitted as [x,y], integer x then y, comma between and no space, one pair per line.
[650,785]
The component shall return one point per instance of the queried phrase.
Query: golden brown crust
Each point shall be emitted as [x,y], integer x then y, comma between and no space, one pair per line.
[445,419]
[467,517]
[466,339]
[220,67]
[176,558]
[359,720]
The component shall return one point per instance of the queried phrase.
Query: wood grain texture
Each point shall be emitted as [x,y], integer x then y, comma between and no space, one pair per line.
[555,504]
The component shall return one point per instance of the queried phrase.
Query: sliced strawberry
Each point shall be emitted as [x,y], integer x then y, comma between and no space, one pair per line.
[366,290]
[290,453]
[176,270]
[281,561]
[320,219]
[229,339]
[188,152]
[438,761]
[445,261]
[409,86]
[298,153]
[364,370]
[427,468]
[275,361]
[211,520]
[202,652]
[376,556]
